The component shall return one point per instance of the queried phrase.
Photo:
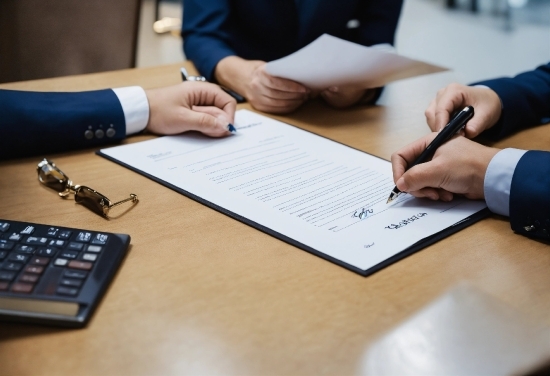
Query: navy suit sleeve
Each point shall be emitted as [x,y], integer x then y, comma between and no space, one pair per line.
[529,195]
[525,101]
[206,33]
[35,123]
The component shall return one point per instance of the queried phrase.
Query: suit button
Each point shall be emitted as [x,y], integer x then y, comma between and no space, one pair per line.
[110,132]
[89,134]
[529,228]
[99,133]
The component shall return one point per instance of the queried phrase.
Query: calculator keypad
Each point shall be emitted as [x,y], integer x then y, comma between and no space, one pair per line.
[35,252]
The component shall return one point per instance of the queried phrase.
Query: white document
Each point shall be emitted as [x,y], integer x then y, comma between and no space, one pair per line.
[326,196]
[331,61]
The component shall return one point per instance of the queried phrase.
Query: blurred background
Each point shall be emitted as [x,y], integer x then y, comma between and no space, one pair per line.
[478,39]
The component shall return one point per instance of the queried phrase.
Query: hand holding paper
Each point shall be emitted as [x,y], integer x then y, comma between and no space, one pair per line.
[329,61]
[262,90]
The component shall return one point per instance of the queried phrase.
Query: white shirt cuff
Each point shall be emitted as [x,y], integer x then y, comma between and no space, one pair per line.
[135,107]
[498,180]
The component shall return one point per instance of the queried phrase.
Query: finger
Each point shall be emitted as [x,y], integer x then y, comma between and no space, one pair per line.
[206,94]
[424,175]
[447,102]
[474,127]
[445,195]
[405,157]
[281,95]
[431,193]
[278,108]
[342,97]
[281,84]
[430,116]
[206,123]
[213,111]
[271,105]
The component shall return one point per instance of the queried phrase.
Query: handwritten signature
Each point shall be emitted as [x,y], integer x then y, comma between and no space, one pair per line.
[407,221]
[363,213]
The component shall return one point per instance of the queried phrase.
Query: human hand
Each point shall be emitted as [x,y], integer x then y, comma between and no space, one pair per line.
[263,91]
[342,97]
[457,167]
[190,106]
[454,97]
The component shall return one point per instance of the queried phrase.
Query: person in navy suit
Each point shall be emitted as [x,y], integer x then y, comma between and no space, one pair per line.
[37,123]
[514,183]
[229,42]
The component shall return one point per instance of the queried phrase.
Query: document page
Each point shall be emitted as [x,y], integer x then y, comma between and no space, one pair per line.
[326,197]
[331,61]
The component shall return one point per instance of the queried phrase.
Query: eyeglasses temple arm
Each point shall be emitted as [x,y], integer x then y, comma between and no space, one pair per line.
[133,198]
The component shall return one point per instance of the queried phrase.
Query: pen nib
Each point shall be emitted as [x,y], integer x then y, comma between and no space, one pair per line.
[393,196]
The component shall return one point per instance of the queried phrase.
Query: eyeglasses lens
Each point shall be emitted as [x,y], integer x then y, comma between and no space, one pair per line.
[52,177]
[91,199]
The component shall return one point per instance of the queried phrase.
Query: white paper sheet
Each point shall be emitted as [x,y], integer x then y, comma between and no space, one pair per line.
[320,193]
[330,61]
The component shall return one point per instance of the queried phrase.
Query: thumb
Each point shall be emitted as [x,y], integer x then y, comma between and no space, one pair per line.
[474,127]
[207,124]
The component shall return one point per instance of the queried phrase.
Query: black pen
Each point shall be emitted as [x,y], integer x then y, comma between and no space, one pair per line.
[456,124]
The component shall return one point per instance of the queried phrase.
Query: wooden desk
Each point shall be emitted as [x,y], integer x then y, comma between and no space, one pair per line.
[201,293]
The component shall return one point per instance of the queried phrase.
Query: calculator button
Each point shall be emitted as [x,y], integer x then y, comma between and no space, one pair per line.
[24,288]
[75,274]
[82,265]
[69,254]
[100,239]
[4,244]
[15,236]
[28,230]
[13,266]
[71,282]
[30,278]
[67,291]
[4,226]
[3,255]
[7,276]
[4,286]
[18,257]
[56,243]
[40,261]
[24,248]
[76,246]
[34,269]
[89,257]
[33,240]
[66,234]
[94,248]
[84,237]
[52,231]
[47,252]
[61,262]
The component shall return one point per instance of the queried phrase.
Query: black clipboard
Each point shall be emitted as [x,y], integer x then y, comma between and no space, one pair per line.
[406,252]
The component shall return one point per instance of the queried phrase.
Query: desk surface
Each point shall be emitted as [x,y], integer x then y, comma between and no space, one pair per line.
[201,293]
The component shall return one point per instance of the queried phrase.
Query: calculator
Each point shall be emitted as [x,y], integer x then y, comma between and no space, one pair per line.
[55,275]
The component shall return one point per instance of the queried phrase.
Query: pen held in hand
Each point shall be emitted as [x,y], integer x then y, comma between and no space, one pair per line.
[456,124]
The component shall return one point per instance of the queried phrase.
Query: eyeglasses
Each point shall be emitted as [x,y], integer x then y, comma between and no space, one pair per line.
[54,178]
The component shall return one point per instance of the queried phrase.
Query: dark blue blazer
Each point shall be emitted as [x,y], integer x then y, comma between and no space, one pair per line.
[526,102]
[270,29]
[33,123]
